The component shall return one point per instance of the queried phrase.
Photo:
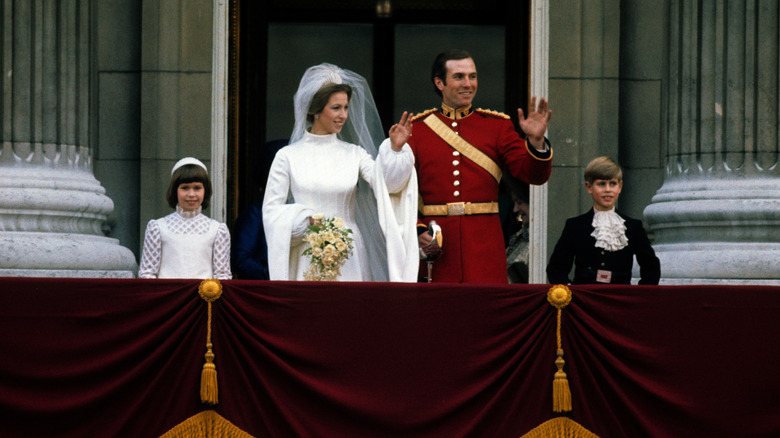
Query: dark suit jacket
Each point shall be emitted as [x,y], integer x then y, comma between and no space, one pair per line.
[576,245]
[249,251]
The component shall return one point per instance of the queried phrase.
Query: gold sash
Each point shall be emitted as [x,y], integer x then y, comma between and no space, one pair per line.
[462,146]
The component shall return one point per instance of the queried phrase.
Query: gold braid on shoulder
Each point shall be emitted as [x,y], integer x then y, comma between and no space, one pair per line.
[492,113]
[423,114]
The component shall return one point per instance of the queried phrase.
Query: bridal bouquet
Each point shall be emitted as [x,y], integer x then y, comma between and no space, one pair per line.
[329,246]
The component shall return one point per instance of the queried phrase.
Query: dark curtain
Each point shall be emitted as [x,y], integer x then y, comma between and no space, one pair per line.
[122,358]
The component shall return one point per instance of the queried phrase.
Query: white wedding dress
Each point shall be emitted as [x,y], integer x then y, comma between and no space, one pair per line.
[320,174]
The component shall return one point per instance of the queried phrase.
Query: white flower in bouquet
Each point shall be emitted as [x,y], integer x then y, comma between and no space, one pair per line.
[329,245]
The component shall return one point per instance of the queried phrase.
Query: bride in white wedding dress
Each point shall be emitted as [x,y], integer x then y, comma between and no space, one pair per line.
[332,167]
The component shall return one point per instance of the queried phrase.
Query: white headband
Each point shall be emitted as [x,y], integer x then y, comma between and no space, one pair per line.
[186,161]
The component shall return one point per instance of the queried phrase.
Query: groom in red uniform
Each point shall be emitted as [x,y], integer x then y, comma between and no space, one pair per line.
[460,153]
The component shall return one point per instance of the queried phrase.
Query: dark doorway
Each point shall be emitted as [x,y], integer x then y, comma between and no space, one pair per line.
[390,42]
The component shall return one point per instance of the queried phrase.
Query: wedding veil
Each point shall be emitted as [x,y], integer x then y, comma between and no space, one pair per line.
[363,126]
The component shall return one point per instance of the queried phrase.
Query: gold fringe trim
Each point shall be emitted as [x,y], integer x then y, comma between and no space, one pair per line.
[210,290]
[559,296]
[560,427]
[493,113]
[206,424]
[419,116]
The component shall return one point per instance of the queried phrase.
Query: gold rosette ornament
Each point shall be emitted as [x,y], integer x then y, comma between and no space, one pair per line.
[559,296]
[210,290]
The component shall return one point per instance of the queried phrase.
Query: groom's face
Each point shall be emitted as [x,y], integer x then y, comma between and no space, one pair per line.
[461,85]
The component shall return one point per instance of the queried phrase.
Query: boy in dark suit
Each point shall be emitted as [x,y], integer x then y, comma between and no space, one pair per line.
[602,243]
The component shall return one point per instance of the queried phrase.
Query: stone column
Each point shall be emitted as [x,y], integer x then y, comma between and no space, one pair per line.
[52,209]
[716,219]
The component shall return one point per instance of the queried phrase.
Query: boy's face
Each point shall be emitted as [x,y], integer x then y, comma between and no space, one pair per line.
[605,193]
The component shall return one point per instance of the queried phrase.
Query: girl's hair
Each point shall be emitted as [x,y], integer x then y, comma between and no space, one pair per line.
[188,173]
[602,168]
[322,96]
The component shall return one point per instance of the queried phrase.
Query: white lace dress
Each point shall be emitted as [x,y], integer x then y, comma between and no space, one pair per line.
[186,244]
[320,174]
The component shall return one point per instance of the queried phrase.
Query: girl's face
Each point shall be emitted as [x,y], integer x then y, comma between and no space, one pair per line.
[331,119]
[605,193]
[191,195]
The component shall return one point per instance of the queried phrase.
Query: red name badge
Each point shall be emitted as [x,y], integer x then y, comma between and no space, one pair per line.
[604,276]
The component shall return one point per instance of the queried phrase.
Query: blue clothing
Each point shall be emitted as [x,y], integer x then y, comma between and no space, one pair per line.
[249,251]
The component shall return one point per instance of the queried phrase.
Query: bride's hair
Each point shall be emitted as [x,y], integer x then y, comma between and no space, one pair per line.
[322,96]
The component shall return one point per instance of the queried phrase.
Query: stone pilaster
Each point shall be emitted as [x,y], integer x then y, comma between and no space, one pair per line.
[52,209]
[716,219]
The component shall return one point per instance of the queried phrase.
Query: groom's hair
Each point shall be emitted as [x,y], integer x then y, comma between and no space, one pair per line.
[321,97]
[439,68]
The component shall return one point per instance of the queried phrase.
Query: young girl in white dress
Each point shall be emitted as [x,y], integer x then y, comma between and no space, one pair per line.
[332,167]
[186,243]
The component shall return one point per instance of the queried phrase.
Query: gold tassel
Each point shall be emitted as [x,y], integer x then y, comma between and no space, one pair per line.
[210,290]
[559,296]
[561,392]
[209,392]
[205,424]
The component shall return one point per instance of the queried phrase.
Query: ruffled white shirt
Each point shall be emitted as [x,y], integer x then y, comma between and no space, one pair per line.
[609,230]
[186,244]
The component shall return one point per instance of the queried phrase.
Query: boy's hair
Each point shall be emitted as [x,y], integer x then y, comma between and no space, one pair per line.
[602,168]
[188,173]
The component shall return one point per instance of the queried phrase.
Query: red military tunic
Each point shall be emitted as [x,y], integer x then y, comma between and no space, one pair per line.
[473,246]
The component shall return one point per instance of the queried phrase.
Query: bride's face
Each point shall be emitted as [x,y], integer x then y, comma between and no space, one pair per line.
[331,119]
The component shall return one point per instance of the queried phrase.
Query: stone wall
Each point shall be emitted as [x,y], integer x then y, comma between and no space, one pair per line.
[153,103]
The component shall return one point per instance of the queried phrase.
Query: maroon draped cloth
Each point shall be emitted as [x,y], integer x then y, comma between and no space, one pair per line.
[122,358]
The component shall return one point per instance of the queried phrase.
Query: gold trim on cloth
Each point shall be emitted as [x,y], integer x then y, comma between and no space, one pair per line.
[206,424]
[456,114]
[462,146]
[533,151]
[425,113]
[560,427]
[460,209]
[493,113]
